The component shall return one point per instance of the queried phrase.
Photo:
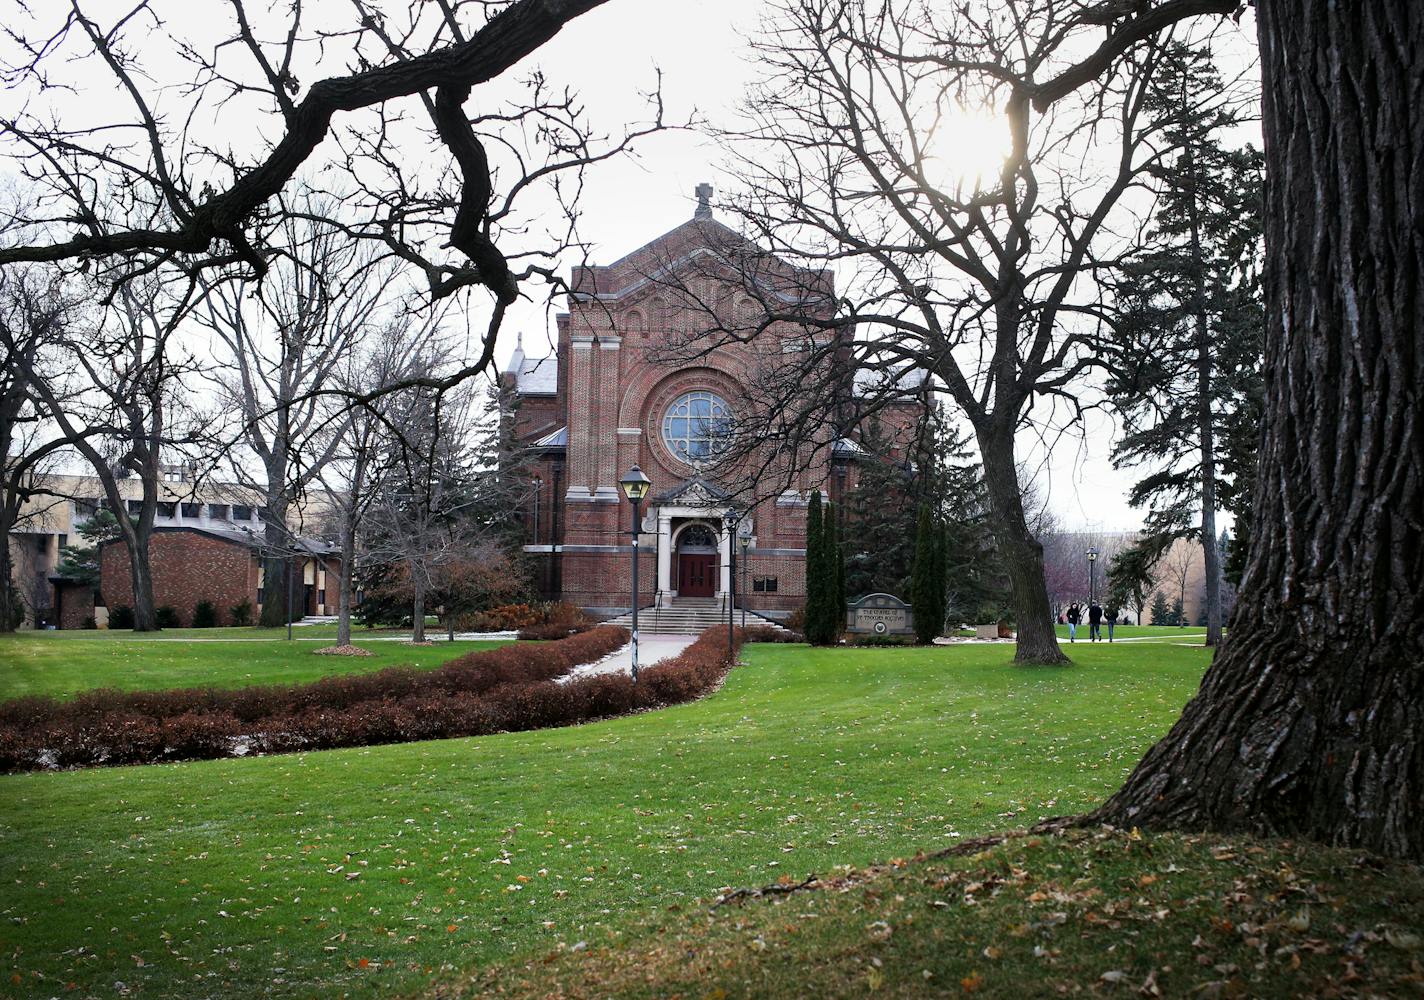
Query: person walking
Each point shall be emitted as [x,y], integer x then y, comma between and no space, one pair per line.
[1074,616]
[1095,621]
[1112,620]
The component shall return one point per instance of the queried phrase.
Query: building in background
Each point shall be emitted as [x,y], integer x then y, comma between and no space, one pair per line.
[634,380]
[201,514]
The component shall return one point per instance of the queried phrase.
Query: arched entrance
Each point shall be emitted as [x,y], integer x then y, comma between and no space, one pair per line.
[697,561]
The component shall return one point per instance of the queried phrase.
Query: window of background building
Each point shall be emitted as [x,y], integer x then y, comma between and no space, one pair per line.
[135,506]
[241,513]
[697,425]
[764,584]
[216,510]
[86,508]
[192,509]
[166,509]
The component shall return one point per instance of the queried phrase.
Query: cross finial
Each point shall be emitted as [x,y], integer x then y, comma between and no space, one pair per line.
[704,201]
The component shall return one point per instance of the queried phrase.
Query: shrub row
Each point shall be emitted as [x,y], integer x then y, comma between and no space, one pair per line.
[476,694]
[769,633]
[472,673]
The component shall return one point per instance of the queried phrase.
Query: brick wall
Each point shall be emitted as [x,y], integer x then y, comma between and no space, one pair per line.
[188,567]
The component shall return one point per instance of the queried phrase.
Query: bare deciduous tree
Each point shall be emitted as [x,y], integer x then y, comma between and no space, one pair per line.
[985,283]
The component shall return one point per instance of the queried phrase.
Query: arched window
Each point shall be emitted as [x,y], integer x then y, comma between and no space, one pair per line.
[697,538]
[697,426]
[633,322]
[658,318]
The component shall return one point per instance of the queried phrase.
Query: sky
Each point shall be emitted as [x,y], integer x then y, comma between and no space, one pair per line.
[612,56]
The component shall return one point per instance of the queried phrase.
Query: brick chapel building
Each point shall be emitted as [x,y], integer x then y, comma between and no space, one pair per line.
[644,373]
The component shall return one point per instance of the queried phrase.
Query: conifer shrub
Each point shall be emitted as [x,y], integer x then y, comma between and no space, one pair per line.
[205,615]
[121,616]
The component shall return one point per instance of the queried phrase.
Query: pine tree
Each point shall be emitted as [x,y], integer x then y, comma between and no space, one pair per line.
[1189,336]
[1161,615]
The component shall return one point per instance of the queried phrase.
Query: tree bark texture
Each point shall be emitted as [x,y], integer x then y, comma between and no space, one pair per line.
[1309,721]
[1020,551]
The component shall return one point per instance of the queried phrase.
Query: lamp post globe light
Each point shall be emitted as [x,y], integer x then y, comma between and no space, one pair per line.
[635,487]
[1092,573]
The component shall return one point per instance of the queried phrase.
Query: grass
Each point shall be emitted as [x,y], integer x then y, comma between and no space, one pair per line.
[384,870]
[1092,912]
[39,664]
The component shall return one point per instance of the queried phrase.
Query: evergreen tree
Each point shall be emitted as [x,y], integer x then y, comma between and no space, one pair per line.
[880,517]
[925,602]
[819,628]
[838,568]
[81,562]
[1187,356]
[1161,615]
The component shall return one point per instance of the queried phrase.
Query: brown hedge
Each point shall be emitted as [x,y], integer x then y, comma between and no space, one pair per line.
[502,690]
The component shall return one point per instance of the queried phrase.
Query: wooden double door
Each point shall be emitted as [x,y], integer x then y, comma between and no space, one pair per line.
[696,574]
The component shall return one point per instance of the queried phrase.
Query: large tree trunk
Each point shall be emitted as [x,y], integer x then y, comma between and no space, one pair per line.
[136,538]
[1311,720]
[348,557]
[10,602]
[417,617]
[1021,552]
[277,541]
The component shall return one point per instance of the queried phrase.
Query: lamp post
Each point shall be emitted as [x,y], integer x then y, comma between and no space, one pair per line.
[291,555]
[730,518]
[635,486]
[1092,572]
[744,536]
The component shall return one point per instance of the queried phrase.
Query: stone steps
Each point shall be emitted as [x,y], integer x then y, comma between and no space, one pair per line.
[688,616]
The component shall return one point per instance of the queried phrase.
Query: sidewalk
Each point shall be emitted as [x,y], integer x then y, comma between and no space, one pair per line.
[651,649]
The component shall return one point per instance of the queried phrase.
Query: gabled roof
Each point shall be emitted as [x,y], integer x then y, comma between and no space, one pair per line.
[554,439]
[691,488]
[534,376]
[245,537]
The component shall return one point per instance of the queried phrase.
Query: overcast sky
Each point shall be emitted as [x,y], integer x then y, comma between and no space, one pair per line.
[612,57]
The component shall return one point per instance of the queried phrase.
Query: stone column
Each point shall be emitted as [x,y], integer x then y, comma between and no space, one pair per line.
[665,554]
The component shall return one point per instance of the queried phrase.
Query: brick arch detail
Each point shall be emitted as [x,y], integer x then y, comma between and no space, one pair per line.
[651,392]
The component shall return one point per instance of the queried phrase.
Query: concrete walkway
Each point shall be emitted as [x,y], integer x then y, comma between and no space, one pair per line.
[651,649]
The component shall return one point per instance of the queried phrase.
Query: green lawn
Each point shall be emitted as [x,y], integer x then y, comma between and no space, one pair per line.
[1090,912]
[33,663]
[379,870]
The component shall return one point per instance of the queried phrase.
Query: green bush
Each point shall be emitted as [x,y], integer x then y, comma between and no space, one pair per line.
[205,615]
[166,617]
[241,613]
[89,623]
[121,616]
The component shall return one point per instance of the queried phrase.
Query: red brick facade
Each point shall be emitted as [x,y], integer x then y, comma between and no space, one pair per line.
[190,565]
[598,406]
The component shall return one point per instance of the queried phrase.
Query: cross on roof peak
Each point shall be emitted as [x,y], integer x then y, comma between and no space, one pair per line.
[704,201]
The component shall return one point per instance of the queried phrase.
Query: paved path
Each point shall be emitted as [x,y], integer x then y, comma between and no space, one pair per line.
[651,649]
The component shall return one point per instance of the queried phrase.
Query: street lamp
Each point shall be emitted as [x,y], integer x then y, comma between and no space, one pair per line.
[635,486]
[730,518]
[291,557]
[745,537]
[1092,572]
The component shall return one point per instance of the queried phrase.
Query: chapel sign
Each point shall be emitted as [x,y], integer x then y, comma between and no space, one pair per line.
[880,614]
